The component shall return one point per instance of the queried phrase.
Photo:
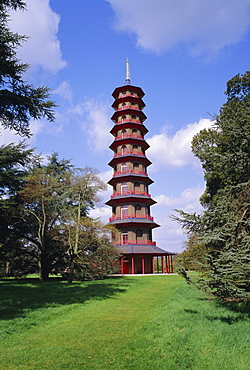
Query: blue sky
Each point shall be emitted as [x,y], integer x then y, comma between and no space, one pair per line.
[181,54]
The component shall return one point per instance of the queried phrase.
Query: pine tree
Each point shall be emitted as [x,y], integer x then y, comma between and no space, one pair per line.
[19,101]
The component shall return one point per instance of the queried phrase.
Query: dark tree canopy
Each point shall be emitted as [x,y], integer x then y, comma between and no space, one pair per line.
[224,227]
[19,101]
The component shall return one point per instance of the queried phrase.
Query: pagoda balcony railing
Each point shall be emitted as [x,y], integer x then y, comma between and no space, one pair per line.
[135,242]
[125,95]
[129,152]
[130,192]
[126,120]
[125,136]
[131,215]
[137,172]
[127,107]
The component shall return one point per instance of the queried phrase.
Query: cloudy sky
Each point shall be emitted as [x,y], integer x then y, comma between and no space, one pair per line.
[181,54]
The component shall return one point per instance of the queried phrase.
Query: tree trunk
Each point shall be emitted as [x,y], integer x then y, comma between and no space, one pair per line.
[43,267]
[71,271]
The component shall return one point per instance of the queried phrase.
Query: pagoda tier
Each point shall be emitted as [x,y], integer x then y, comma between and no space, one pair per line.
[131,200]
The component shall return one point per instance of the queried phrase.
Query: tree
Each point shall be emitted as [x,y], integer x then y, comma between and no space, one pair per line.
[14,162]
[19,101]
[193,256]
[83,195]
[224,226]
[43,200]
[95,256]
[56,199]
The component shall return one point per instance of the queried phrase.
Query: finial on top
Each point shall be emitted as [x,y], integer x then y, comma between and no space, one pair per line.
[127,73]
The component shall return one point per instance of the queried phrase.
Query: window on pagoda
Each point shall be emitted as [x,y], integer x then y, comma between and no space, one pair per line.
[137,187]
[124,237]
[124,149]
[124,132]
[134,131]
[139,234]
[138,210]
[124,188]
[135,148]
[124,118]
[124,211]
[133,116]
[124,167]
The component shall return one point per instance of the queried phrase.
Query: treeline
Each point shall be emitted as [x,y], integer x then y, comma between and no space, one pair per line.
[44,218]
[219,239]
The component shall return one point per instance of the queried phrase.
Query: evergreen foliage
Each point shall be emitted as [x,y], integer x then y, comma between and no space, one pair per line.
[224,227]
[19,101]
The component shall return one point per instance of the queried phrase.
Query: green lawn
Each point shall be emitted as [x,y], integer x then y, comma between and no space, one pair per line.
[130,323]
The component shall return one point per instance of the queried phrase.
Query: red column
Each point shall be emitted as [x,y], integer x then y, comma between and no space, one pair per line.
[143,264]
[162,264]
[167,265]
[122,264]
[153,265]
[133,265]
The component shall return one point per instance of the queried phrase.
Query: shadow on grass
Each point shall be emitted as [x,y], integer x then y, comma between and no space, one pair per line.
[18,296]
[236,312]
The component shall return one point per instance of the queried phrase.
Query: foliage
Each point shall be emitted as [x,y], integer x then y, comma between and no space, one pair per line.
[44,215]
[42,198]
[96,257]
[192,258]
[19,101]
[224,226]
[14,162]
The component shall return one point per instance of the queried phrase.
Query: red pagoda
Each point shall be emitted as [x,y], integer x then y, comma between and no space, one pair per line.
[131,200]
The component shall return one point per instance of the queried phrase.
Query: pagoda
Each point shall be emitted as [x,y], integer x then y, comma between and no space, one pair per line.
[131,201]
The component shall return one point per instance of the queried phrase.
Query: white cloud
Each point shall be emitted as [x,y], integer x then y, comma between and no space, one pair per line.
[103,213]
[97,124]
[202,26]
[64,90]
[188,200]
[41,24]
[9,136]
[175,151]
[170,235]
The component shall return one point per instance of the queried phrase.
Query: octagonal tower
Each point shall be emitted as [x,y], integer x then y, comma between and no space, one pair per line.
[131,201]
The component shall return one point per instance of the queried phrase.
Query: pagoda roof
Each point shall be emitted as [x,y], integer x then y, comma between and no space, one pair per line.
[135,89]
[142,249]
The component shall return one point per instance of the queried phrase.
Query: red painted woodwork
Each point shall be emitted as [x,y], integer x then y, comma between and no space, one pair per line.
[135,242]
[128,152]
[125,266]
[125,136]
[133,264]
[130,215]
[137,172]
[143,264]
[130,192]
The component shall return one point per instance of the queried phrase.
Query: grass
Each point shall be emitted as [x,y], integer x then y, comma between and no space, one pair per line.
[123,323]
